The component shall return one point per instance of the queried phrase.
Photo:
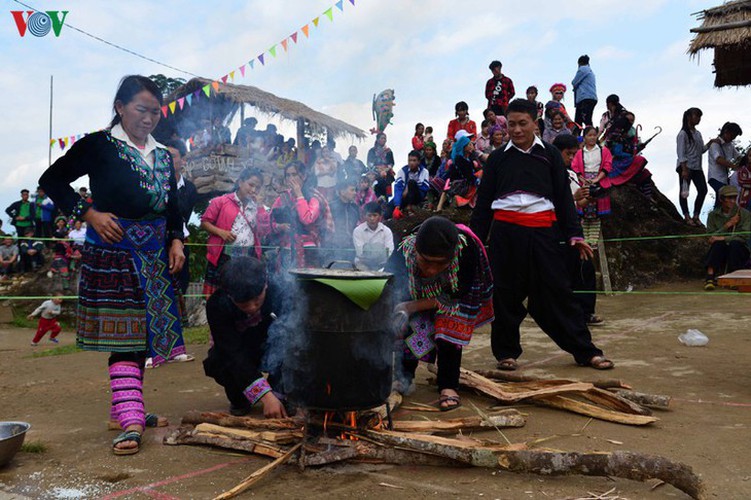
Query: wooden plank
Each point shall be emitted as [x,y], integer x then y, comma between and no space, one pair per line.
[249,481]
[507,418]
[189,436]
[280,437]
[741,279]
[566,403]
[226,420]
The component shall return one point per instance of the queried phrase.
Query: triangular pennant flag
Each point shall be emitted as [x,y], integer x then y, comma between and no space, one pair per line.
[316,21]
[181,102]
[330,13]
[65,140]
[207,90]
[72,139]
[352,2]
[232,75]
[272,51]
[62,143]
[251,62]
[215,84]
[293,36]
[284,44]
[260,58]
[52,142]
[340,5]
[242,70]
[306,29]
[224,79]
[172,107]
[189,98]
[197,94]
[164,110]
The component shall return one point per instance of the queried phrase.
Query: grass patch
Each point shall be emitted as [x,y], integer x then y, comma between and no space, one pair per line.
[196,334]
[56,351]
[20,321]
[34,447]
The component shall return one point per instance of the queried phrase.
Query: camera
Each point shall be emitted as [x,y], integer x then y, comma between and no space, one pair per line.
[597,191]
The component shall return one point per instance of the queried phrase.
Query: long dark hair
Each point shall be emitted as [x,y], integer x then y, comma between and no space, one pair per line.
[685,126]
[129,87]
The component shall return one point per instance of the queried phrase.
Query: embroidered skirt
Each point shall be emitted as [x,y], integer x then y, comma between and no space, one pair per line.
[126,300]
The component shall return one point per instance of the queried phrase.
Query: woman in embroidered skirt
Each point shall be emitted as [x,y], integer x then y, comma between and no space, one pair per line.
[236,224]
[445,270]
[126,302]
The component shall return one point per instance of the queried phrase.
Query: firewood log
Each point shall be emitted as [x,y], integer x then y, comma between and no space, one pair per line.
[226,420]
[650,400]
[507,418]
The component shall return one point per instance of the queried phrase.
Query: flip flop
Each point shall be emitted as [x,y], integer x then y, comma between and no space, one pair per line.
[601,363]
[152,420]
[508,364]
[449,399]
[127,436]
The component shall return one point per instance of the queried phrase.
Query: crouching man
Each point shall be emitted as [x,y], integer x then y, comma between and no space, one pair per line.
[239,316]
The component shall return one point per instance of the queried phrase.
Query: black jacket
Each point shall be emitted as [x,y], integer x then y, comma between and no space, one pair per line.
[15,208]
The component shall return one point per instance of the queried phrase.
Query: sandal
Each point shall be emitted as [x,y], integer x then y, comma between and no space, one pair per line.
[181,358]
[448,403]
[152,420]
[600,363]
[127,436]
[508,364]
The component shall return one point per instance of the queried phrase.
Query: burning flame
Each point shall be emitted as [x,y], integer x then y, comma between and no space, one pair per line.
[350,420]
[328,389]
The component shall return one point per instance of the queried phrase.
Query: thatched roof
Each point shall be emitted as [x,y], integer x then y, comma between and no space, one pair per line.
[727,29]
[230,97]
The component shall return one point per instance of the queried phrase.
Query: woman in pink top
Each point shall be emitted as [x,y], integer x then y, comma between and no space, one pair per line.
[236,223]
[418,140]
[301,217]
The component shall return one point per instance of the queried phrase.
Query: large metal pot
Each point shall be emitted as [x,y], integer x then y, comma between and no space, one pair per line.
[341,359]
[12,435]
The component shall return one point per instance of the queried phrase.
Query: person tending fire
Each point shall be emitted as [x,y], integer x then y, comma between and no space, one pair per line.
[239,315]
[446,280]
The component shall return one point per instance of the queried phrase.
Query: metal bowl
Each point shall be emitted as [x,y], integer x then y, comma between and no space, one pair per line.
[12,435]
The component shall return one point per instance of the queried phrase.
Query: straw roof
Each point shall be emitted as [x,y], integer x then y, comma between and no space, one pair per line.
[727,29]
[231,97]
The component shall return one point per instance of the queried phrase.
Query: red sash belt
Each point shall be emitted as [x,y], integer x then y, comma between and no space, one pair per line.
[536,219]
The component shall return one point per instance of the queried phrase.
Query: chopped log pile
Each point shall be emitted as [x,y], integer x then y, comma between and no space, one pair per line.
[316,440]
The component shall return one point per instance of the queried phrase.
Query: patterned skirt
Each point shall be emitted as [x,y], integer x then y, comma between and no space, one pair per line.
[126,299]
[213,274]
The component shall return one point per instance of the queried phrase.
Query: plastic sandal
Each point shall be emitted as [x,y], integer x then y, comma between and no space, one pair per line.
[127,436]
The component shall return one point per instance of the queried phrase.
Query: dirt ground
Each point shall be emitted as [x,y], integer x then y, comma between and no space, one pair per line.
[66,399]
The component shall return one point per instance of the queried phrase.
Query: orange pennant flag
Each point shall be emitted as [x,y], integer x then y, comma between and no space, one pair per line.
[215,84]
[284,44]
[52,142]
[306,29]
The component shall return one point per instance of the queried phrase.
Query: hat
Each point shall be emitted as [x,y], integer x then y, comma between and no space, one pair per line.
[557,86]
[728,191]
[462,133]
[437,237]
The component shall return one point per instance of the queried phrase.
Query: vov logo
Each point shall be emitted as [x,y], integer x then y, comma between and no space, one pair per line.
[39,23]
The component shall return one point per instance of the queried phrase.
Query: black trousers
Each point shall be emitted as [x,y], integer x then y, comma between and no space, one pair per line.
[530,263]
[734,254]
[584,111]
[582,276]
[716,186]
[449,361]
[136,357]
[233,388]
[413,196]
[697,177]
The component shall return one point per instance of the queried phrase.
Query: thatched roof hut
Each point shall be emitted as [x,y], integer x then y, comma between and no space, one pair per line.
[232,98]
[726,29]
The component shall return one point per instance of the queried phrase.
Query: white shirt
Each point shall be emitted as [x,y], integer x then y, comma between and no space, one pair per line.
[118,132]
[372,247]
[48,309]
[592,159]
[78,235]
[521,201]
[725,150]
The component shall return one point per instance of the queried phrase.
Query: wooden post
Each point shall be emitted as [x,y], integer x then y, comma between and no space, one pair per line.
[606,285]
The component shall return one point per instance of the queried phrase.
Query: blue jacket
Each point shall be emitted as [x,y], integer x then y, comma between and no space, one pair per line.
[584,84]
[402,176]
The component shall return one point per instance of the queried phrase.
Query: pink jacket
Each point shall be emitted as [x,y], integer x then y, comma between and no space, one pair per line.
[222,212]
[577,164]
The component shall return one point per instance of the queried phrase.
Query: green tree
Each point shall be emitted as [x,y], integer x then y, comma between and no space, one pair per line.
[166,84]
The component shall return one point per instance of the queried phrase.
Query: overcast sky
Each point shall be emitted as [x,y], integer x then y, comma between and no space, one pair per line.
[432,53]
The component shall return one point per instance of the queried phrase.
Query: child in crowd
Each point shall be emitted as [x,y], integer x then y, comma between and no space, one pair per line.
[49,310]
[365,193]
[482,143]
[429,134]
[374,242]
[418,140]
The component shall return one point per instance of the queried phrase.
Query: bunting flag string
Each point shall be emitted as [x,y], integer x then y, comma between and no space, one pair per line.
[214,87]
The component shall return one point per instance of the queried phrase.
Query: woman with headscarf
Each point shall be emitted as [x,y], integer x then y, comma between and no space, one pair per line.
[448,289]
[236,224]
[301,218]
[126,303]
[463,173]
[557,90]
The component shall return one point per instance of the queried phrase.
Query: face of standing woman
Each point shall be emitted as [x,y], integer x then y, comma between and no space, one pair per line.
[140,116]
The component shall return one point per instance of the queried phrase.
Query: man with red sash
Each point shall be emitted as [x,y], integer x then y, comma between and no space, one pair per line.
[526,211]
